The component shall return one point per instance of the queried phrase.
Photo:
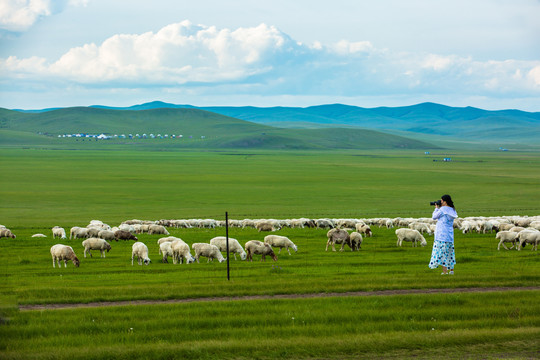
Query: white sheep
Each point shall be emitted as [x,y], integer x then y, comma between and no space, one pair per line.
[506,236]
[73,230]
[280,242]
[260,248]
[207,250]
[65,253]
[410,235]
[167,239]
[421,227]
[58,232]
[106,235]
[140,250]
[157,229]
[529,236]
[165,249]
[234,246]
[79,233]
[180,251]
[6,233]
[364,229]
[356,240]
[96,244]
[39,235]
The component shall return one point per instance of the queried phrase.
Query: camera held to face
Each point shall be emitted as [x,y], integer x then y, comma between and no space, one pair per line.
[433,203]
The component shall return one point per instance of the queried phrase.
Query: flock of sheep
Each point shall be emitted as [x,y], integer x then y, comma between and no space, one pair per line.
[516,230]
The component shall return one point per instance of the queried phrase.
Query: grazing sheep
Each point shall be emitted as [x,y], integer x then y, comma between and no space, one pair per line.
[165,249]
[356,240]
[106,235]
[124,235]
[517,229]
[505,227]
[80,233]
[95,244]
[93,232]
[338,236]
[39,235]
[180,251]
[63,252]
[324,224]
[506,236]
[157,229]
[73,230]
[207,250]
[421,227]
[364,229]
[127,227]
[6,233]
[280,242]
[530,237]
[260,248]
[167,239]
[140,250]
[410,235]
[234,246]
[58,231]
[264,225]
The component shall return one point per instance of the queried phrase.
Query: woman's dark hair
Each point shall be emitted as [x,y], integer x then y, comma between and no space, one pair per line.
[448,200]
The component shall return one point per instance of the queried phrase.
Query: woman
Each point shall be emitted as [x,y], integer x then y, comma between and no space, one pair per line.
[443,247]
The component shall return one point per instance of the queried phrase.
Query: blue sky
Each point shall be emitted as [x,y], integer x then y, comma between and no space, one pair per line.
[270,53]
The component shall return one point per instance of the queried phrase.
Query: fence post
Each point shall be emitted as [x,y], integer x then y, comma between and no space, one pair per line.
[227,242]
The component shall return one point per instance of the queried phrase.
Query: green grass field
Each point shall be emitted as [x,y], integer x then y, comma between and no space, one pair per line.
[68,186]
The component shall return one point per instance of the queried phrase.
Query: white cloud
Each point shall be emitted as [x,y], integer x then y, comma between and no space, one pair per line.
[20,15]
[264,61]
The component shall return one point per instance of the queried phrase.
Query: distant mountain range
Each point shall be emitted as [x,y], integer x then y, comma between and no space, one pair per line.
[421,121]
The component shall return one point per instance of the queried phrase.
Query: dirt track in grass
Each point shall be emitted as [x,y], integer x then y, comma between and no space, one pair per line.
[274,297]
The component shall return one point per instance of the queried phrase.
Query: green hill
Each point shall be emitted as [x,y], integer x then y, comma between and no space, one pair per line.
[199,128]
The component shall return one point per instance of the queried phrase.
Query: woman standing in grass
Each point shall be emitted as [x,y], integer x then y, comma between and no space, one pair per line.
[443,247]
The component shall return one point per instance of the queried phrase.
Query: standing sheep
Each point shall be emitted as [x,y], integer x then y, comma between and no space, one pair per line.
[338,236]
[260,248]
[529,237]
[58,231]
[180,252]
[234,246]
[7,234]
[364,229]
[106,235]
[506,236]
[356,240]
[95,244]
[165,249]
[80,233]
[280,242]
[63,252]
[140,250]
[124,235]
[410,235]
[207,250]
[157,229]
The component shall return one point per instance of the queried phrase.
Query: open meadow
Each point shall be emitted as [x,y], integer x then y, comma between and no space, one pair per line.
[68,186]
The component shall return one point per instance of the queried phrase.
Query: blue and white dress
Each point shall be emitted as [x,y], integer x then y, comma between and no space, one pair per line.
[443,247]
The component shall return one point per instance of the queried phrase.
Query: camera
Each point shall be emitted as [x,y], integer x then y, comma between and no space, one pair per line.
[433,203]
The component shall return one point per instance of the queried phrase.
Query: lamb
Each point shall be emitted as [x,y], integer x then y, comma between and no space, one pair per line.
[180,251]
[157,229]
[6,233]
[63,252]
[95,244]
[506,236]
[234,246]
[124,235]
[140,250]
[338,236]
[280,242]
[529,236]
[410,235]
[258,247]
[356,240]
[207,250]
[58,232]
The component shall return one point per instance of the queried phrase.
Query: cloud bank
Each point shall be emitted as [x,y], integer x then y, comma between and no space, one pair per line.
[263,61]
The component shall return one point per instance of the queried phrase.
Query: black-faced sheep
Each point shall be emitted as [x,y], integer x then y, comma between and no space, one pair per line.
[207,250]
[259,248]
[410,235]
[124,235]
[96,244]
[338,236]
[140,250]
[63,252]
[234,246]
[58,232]
[7,234]
[280,242]
[530,237]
